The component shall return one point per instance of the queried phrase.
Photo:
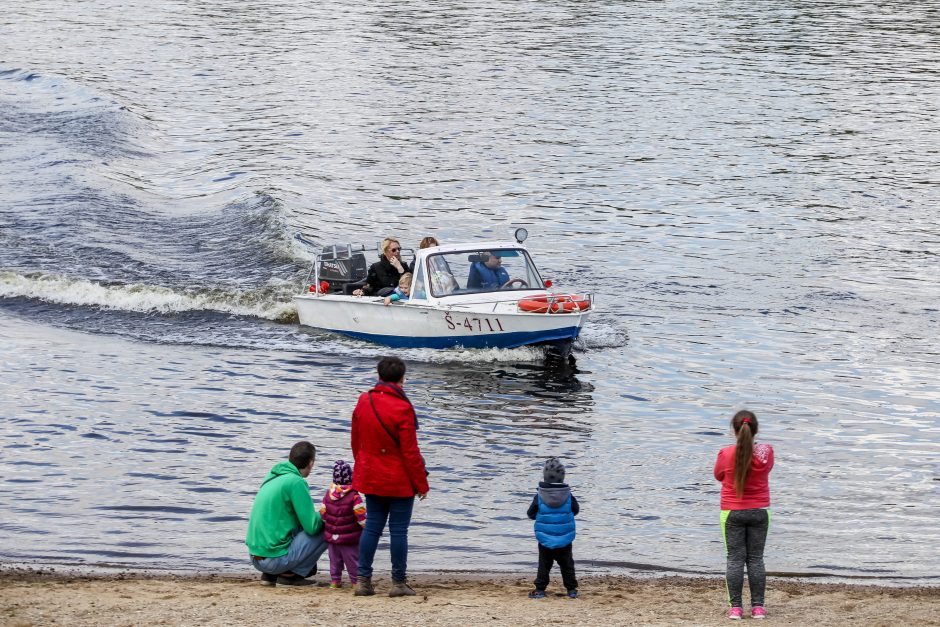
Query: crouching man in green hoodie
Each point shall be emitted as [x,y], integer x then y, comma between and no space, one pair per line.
[285,533]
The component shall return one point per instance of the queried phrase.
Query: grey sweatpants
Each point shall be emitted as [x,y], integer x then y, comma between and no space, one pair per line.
[745,532]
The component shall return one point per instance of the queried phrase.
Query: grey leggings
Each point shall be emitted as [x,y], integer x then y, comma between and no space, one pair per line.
[745,532]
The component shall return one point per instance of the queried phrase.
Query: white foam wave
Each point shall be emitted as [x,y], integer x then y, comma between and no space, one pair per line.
[601,335]
[272,302]
[481,355]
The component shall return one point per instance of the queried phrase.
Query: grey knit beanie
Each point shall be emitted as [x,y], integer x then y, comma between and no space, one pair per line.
[554,471]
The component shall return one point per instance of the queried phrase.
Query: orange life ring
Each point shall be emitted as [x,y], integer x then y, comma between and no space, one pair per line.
[556,303]
[581,302]
[537,304]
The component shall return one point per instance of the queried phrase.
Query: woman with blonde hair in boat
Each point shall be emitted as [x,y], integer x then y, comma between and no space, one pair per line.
[386,272]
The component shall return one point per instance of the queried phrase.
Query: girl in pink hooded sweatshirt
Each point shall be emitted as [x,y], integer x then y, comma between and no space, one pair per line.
[743,470]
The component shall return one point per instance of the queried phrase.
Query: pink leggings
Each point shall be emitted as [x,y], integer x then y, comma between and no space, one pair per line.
[347,554]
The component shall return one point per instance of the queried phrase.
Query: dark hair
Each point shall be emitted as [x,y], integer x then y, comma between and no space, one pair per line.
[391,369]
[302,453]
[744,424]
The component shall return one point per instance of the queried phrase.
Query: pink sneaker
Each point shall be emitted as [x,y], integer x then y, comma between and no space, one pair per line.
[735,613]
[758,612]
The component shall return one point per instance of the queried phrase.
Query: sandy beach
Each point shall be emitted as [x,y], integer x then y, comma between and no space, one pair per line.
[31,597]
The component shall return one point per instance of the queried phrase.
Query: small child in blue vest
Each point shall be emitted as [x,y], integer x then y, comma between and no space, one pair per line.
[553,509]
[402,292]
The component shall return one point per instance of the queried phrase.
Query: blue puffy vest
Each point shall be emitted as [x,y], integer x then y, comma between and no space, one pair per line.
[554,526]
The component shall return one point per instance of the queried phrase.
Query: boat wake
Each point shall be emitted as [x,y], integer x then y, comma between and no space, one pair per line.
[271,302]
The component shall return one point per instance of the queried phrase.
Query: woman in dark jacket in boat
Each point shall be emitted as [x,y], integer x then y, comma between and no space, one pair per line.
[386,272]
[390,472]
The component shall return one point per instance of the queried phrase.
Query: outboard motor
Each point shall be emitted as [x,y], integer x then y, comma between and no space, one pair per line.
[341,265]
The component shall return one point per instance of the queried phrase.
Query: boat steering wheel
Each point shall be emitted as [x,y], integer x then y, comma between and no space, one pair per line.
[521,283]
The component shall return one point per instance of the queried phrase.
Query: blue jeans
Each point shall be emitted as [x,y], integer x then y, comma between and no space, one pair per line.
[397,511]
[301,557]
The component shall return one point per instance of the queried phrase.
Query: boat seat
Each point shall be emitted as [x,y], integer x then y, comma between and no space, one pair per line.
[349,288]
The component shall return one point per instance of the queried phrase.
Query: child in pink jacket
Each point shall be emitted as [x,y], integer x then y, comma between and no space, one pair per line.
[743,470]
[344,516]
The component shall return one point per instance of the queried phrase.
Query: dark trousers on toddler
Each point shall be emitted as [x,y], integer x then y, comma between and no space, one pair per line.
[547,558]
[340,555]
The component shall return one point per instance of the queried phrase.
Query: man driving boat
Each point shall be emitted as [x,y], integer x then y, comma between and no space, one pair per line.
[488,273]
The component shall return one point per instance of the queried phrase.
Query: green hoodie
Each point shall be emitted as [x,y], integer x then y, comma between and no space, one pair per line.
[283,504]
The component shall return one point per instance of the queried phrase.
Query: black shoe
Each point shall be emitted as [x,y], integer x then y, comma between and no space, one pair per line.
[268,579]
[294,581]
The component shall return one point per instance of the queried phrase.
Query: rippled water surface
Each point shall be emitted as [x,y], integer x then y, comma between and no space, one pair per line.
[750,189]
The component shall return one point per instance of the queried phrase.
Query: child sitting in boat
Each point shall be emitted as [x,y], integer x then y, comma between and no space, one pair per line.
[401,292]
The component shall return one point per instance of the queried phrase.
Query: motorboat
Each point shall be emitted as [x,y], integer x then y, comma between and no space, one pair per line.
[450,305]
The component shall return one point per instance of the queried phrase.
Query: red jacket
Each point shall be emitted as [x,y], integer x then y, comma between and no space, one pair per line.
[384,467]
[756,486]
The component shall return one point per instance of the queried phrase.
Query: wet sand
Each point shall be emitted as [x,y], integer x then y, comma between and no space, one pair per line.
[31,597]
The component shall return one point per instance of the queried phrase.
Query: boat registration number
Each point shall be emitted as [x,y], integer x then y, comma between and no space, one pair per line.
[474,325]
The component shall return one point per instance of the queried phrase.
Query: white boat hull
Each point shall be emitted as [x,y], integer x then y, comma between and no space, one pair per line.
[468,325]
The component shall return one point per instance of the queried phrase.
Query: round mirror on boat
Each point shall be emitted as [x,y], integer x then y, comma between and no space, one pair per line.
[521,235]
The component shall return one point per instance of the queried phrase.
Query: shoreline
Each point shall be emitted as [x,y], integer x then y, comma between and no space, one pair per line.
[586,569]
[31,596]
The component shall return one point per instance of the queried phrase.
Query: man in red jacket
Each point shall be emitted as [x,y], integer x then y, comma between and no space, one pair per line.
[389,472]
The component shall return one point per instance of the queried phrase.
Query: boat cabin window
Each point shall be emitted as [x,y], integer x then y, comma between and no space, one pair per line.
[482,271]
[418,291]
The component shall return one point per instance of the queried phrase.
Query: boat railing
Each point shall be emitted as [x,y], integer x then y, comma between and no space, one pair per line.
[550,300]
[335,251]
[332,253]
[324,253]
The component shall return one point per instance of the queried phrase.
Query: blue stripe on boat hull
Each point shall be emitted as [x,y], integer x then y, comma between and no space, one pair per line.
[501,340]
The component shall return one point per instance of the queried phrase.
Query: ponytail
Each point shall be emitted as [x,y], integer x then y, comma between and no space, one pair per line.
[744,424]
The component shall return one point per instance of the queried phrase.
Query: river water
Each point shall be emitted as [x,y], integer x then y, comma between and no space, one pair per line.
[750,189]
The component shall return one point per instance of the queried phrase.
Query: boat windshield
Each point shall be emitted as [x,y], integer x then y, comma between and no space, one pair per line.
[482,271]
